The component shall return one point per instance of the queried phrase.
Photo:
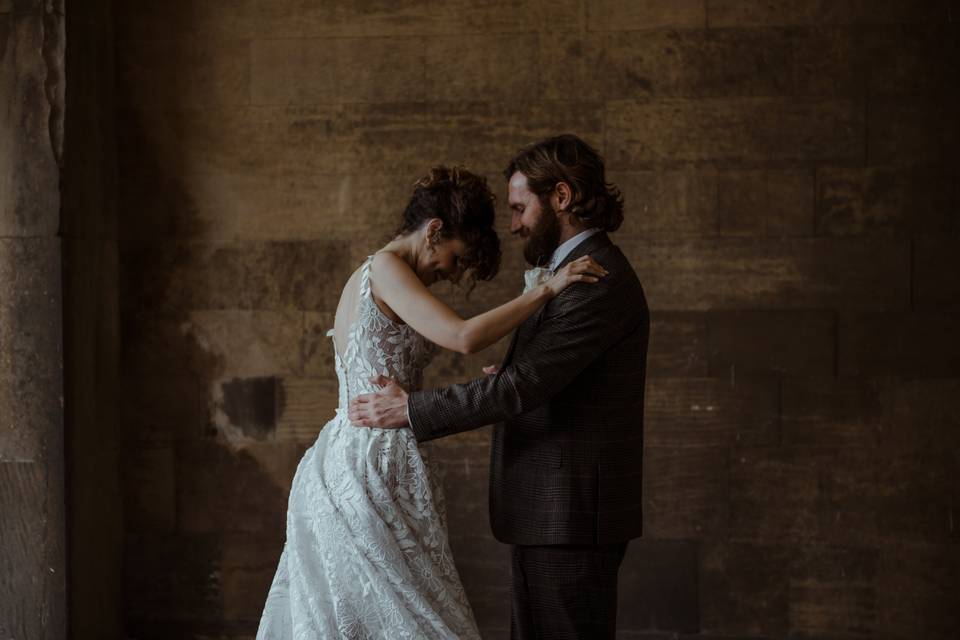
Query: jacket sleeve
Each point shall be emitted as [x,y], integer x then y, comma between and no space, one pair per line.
[577,328]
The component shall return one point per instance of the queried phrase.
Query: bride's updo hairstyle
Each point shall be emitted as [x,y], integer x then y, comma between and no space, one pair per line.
[465,204]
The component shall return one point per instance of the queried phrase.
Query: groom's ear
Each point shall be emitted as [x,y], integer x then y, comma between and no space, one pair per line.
[564,196]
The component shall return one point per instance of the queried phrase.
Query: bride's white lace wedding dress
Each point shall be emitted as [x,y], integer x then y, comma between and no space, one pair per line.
[366,554]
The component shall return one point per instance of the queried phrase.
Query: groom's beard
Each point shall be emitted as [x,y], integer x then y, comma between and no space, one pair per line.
[544,237]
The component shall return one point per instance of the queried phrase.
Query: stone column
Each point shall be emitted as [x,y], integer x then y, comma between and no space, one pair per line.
[32,562]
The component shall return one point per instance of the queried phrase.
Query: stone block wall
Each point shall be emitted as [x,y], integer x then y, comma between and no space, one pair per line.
[792,210]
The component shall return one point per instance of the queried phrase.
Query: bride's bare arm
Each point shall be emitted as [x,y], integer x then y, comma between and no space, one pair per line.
[399,287]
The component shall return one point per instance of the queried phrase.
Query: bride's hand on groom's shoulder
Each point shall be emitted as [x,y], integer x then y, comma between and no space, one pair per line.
[583,269]
[385,409]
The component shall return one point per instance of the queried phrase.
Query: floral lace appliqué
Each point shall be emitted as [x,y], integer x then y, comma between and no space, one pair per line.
[367,554]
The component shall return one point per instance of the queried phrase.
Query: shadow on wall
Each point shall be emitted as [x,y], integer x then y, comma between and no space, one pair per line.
[204,515]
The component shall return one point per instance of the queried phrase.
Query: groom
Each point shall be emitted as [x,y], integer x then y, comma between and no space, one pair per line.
[566,463]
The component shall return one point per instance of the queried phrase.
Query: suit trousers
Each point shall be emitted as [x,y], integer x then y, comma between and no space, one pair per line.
[565,591]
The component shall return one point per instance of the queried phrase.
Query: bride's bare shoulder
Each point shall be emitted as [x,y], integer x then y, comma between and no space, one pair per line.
[387,263]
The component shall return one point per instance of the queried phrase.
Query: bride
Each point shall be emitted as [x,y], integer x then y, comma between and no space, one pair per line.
[366,553]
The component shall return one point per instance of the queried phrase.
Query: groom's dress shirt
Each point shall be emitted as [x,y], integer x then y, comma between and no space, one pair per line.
[564,249]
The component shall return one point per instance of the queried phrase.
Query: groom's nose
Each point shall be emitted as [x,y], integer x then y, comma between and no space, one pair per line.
[515,225]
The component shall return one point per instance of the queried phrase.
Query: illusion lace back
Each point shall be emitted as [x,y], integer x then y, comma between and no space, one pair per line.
[366,554]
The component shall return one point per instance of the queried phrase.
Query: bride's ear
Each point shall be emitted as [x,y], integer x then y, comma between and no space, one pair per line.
[434,225]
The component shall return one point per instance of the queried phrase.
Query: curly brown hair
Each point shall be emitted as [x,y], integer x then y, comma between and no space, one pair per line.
[567,158]
[465,204]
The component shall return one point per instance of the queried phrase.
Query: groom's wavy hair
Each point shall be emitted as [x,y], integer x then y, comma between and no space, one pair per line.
[567,158]
[466,205]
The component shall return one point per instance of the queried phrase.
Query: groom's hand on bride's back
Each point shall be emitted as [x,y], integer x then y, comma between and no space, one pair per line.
[385,409]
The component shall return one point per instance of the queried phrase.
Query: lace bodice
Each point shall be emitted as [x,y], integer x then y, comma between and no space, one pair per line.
[377,345]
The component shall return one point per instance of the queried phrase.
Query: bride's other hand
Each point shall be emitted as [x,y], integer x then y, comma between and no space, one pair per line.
[584,269]
[491,369]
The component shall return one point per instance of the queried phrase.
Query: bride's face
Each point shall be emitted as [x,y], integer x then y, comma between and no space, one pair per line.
[442,261]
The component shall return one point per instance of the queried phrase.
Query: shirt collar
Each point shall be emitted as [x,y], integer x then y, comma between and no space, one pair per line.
[564,249]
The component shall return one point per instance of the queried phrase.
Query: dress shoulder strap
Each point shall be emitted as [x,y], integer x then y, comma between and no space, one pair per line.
[365,277]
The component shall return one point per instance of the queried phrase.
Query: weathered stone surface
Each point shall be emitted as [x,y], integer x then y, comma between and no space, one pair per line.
[658,586]
[268,275]
[808,61]
[830,61]
[885,496]
[159,19]
[183,73]
[31,385]
[91,340]
[246,409]
[685,492]
[221,207]
[615,15]
[912,130]
[156,411]
[406,69]
[149,490]
[765,203]
[914,590]
[399,138]
[911,345]
[750,589]
[883,201]
[920,414]
[734,273]
[832,593]
[912,59]
[796,343]
[668,203]
[774,494]
[316,347]
[170,578]
[305,405]
[341,18]
[831,412]
[744,588]
[678,345]
[248,564]
[710,411]
[219,490]
[381,70]
[293,71]
[734,132]
[724,13]
[936,263]
[479,68]
[29,153]
[22,579]
[218,343]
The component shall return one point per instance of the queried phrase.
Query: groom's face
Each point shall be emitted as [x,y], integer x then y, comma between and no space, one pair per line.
[534,221]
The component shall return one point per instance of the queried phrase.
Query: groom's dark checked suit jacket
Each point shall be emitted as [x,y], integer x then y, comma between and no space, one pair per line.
[567,451]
